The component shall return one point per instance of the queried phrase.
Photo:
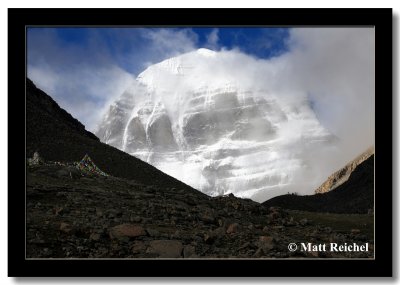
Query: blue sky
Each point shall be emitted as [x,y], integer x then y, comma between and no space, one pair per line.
[122,44]
[86,69]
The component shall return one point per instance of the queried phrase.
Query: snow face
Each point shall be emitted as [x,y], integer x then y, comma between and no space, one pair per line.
[215,121]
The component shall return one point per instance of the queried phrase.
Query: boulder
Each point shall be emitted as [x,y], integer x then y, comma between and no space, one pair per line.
[65,227]
[166,248]
[266,243]
[232,228]
[189,251]
[126,231]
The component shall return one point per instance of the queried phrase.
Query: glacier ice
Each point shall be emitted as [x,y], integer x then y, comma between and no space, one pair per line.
[218,122]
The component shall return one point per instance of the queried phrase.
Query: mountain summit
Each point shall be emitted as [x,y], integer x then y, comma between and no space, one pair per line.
[216,121]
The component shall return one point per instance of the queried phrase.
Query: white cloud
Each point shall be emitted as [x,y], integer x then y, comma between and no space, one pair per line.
[85,78]
[336,67]
[170,42]
[333,67]
[213,39]
[84,91]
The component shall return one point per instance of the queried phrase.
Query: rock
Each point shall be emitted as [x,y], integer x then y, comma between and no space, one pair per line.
[279,228]
[176,235]
[94,237]
[342,175]
[259,252]
[166,248]
[191,201]
[136,219]
[65,227]
[35,160]
[189,251]
[114,214]
[212,236]
[236,205]
[74,173]
[69,172]
[362,238]
[37,241]
[274,209]
[126,231]
[153,232]
[274,216]
[290,222]
[232,228]
[207,218]
[266,243]
[138,247]
[245,245]
[303,222]
[57,210]
[47,252]
[99,212]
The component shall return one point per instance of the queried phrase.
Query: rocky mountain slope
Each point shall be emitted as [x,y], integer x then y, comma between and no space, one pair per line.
[135,211]
[219,129]
[57,136]
[356,195]
[343,174]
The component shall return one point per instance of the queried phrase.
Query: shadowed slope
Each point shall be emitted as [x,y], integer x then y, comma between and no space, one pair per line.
[57,136]
[356,195]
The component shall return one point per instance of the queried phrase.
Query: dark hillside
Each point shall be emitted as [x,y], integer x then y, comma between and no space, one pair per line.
[57,136]
[356,195]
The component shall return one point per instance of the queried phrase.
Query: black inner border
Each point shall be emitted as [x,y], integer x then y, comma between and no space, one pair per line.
[381,19]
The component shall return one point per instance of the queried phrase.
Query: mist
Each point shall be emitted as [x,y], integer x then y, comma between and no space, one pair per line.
[329,72]
[331,69]
[336,67]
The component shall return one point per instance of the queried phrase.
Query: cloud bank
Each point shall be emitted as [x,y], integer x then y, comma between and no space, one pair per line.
[84,76]
[333,67]
[336,67]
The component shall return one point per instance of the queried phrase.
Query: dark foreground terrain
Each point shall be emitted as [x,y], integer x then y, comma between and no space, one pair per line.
[139,212]
[70,216]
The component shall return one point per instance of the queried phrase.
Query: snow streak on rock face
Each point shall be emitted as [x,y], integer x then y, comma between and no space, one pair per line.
[220,126]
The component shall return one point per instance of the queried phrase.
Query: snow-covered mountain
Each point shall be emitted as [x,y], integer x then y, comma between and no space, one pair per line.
[218,122]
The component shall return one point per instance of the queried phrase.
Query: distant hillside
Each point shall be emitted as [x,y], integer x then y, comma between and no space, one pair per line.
[343,174]
[356,195]
[57,136]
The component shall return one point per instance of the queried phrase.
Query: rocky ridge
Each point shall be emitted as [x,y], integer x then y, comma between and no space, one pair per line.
[343,174]
[356,195]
